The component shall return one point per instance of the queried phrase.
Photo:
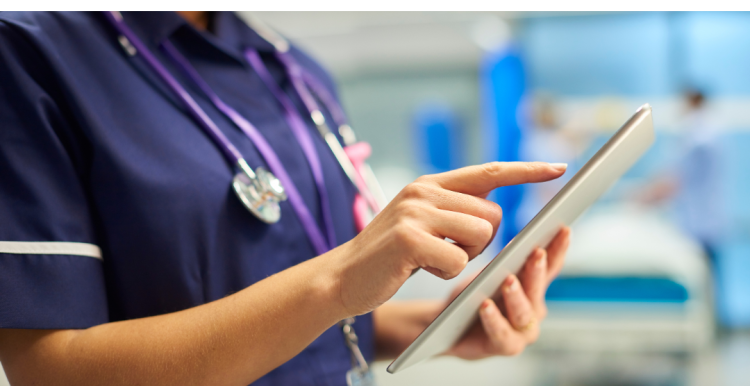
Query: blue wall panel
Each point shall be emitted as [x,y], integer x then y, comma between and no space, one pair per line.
[716,50]
[503,84]
[626,54]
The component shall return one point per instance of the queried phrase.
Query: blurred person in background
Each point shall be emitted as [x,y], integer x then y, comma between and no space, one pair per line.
[544,140]
[692,181]
[125,257]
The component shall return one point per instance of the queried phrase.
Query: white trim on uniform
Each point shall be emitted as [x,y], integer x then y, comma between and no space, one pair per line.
[51,248]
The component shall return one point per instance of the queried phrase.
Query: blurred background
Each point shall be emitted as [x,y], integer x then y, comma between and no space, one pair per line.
[656,288]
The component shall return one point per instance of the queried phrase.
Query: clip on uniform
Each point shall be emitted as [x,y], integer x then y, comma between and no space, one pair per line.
[360,374]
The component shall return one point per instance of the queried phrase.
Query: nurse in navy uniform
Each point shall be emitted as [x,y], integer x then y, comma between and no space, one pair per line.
[126,257]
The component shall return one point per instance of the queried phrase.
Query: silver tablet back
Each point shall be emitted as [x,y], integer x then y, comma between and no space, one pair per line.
[625,147]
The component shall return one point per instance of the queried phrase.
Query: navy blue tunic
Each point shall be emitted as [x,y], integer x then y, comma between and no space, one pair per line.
[95,149]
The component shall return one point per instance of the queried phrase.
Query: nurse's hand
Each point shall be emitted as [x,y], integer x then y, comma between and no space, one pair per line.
[410,232]
[521,300]
[507,323]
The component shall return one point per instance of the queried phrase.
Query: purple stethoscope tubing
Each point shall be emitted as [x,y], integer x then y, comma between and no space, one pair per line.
[347,134]
[369,188]
[265,149]
[337,113]
[320,244]
[297,77]
[133,45]
[301,132]
[194,109]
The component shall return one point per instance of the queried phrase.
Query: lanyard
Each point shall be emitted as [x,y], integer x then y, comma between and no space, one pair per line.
[347,134]
[314,234]
[260,191]
[360,373]
[298,79]
[337,113]
[302,134]
[133,45]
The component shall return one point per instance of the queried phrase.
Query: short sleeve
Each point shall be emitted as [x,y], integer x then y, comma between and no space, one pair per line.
[51,268]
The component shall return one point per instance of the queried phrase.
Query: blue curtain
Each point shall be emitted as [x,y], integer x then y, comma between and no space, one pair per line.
[503,84]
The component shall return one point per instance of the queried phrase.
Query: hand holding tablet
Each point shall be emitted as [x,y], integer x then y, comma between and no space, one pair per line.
[522,300]
[410,232]
[595,177]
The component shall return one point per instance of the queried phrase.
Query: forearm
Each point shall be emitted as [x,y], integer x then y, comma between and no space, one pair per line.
[232,341]
[398,323]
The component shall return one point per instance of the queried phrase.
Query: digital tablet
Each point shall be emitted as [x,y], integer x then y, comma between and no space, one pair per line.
[625,147]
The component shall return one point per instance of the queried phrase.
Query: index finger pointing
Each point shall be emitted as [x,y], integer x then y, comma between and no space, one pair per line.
[479,180]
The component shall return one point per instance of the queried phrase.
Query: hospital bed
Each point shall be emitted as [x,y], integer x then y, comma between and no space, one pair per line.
[632,283]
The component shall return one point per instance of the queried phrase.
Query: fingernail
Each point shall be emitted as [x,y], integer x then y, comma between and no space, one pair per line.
[542,262]
[559,166]
[512,285]
[485,307]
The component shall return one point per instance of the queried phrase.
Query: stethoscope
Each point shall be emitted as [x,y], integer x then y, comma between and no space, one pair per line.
[363,178]
[261,190]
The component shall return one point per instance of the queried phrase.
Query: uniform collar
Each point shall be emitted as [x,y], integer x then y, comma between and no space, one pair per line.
[235,33]
[154,27]
[231,35]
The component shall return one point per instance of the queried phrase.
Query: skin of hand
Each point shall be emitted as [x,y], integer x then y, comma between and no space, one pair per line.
[410,232]
[237,339]
[506,332]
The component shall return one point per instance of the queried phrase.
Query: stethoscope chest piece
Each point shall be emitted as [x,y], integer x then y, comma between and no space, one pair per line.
[260,195]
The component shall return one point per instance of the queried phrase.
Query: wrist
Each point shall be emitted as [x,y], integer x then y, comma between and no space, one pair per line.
[326,283]
[398,323]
